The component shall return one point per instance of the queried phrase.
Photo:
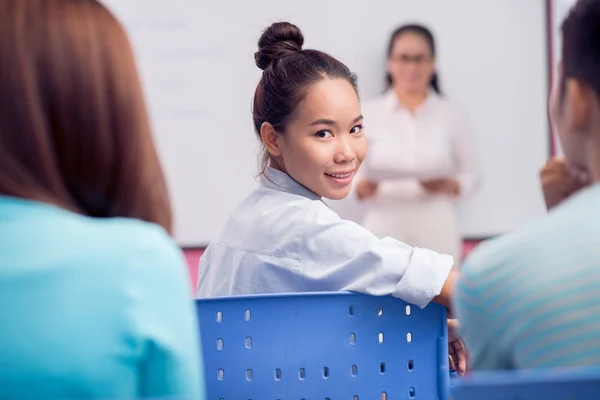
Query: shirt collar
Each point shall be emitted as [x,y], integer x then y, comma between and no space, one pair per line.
[279,180]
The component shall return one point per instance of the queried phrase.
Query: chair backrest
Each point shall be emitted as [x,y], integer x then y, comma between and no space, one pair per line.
[323,346]
[560,384]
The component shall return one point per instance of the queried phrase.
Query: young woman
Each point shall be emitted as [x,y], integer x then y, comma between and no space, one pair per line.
[421,155]
[95,293]
[283,238]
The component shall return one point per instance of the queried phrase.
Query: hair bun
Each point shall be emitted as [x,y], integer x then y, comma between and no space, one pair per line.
[277,41]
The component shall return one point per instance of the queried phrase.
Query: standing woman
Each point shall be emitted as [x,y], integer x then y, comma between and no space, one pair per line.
[421,158]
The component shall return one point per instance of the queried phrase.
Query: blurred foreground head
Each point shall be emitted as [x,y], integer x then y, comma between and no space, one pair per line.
[575,99]
[74,131]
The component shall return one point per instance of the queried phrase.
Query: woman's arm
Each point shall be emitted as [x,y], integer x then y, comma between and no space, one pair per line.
[342,255]
[447,293]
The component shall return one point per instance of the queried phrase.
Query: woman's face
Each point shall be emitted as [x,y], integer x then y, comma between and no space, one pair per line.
[411,63]
[324,145]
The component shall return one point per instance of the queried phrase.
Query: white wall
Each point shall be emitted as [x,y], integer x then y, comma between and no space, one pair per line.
[197,64]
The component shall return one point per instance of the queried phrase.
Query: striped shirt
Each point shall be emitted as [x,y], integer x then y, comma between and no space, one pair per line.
[531,299]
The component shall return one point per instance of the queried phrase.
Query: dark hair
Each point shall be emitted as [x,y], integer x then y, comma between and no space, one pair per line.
[428,36]
[581,44]
[73,125]
[288,71]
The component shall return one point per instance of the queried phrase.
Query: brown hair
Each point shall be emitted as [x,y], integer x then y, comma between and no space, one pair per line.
[74,130]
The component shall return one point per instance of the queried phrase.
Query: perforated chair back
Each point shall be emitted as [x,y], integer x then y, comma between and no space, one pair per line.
[323,346]
[576,384]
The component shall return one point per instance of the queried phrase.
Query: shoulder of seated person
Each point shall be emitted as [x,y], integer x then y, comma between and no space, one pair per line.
[510,249]
[131,238]
[322,211]
[300,202]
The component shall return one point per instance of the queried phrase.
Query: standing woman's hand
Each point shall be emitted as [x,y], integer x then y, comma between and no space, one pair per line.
[442,186]
[560,180]
[365,189]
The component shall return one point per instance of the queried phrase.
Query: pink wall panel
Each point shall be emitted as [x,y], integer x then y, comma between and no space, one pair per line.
[192,257]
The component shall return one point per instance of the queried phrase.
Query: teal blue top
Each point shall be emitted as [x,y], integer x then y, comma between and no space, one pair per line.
[531,299]
[93,308]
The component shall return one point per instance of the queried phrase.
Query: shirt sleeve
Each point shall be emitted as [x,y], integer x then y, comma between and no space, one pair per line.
[341,255]
[465,155]
[165,324]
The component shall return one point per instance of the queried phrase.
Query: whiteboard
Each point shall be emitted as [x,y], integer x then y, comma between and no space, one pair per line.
[197,67]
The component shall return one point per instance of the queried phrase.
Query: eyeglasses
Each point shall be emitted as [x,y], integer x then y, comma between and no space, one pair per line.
[407,59]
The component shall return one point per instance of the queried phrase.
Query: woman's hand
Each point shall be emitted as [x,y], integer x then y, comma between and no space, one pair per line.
[442,186]
[456,349]
[560,180]
[445,297]
[365,189]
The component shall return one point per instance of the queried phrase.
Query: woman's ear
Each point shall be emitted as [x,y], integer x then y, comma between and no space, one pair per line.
[269,138]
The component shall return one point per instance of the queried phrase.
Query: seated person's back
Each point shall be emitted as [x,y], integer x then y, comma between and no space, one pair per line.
[532,299]
[283,239]
[92,307]
[255,245]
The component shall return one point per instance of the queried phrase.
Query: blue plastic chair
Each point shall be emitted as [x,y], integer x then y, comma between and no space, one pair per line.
[323,346]
[560,384]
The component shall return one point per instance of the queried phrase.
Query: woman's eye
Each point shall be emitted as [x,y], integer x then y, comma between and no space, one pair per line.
[323,134]
[356,129]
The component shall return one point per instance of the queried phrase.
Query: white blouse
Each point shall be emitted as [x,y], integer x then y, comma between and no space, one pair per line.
[405,147]
[284,239]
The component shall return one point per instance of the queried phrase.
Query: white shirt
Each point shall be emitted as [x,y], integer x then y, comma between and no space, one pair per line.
[405,147]
[284,239]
